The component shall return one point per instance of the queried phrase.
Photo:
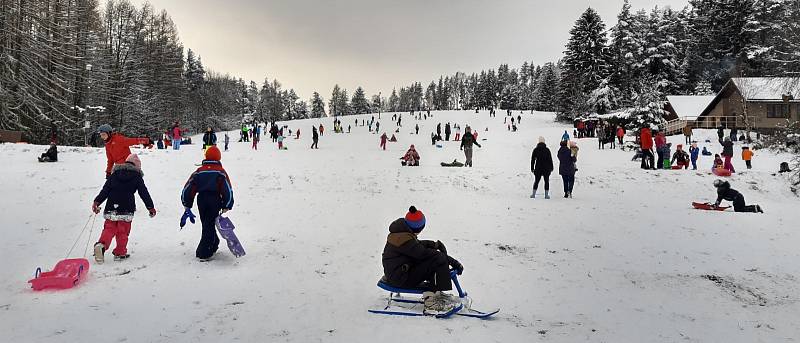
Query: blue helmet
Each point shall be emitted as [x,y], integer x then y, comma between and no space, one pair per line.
[105,128]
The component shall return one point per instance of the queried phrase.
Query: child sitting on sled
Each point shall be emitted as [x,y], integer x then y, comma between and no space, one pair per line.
[681,157]
[51,155]
[124,180]
[411,158]
[718,163]
[412,263]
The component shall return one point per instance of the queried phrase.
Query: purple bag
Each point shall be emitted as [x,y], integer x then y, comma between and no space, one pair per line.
[225,228]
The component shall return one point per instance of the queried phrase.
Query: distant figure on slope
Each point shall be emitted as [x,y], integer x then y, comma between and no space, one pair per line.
[747,156]
[541,166]
[314,138]
[321,130]
[566,168]
[384,138]
[411,158]
[466,145]
[725,192]
[227,141]
[411,263]
[51,155]
[565,136]
[209,138]
[212,186]
[416,129]
[681,157]
[694,154]
[125,180]
[646,145]
[280,143]
[727,153]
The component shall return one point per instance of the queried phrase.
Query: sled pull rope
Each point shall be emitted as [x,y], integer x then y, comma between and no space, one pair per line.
[80,235]
[89,238]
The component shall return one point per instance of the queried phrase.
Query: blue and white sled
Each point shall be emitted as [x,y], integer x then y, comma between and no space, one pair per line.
[398,305]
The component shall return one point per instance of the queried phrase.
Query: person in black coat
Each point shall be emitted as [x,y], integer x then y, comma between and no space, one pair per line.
[412,263]
[541,166]
[727,153]
[209,138]
[51,155]
[314,138]
[125,180]
[725,192]
[566,168]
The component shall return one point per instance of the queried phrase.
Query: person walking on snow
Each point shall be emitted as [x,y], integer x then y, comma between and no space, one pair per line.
[541,166]
[565,136]
[384,138]
[314,138]
[466,145]
[725,192]
[447,132]
[566,168]
[176,136]
[227,141]
[212,187]
[409,262]
[416,129]
[117,146]
[125,180]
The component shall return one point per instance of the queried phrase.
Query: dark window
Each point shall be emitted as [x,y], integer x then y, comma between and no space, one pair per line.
[778,111]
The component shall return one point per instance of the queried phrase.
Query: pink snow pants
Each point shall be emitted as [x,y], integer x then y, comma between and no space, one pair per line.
[728,165]
[119,230]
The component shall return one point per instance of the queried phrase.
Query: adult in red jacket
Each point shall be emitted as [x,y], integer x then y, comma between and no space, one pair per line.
[646,144]
[117,146]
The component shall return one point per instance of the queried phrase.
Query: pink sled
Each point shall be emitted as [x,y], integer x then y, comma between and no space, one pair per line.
[66,274]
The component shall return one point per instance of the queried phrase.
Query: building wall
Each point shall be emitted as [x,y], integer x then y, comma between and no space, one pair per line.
[731,105]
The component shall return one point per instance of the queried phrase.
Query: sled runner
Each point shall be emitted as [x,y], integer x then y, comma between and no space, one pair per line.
[708,207]
[66,274]
[225,228]
[398,305]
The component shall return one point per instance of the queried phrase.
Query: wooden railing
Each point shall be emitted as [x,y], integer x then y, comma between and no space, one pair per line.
[676,126]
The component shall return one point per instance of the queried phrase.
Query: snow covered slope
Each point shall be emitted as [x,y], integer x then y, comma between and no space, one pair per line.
[626,260]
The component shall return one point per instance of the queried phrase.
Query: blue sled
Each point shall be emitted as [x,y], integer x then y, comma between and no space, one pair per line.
[395,296]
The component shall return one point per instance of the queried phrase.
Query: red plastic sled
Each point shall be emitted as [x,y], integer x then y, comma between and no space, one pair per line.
[66,274]
[709,207]
[721,172]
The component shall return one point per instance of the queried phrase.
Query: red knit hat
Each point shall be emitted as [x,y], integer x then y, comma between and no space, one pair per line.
[213,153]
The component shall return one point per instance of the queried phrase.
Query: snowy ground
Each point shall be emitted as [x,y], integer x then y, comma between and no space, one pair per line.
[626,260]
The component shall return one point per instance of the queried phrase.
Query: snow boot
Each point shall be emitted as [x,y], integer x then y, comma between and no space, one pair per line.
[566,195]
[439,303]
[758,209]
[533,195]
[547,194]
[99,250]
[121,257]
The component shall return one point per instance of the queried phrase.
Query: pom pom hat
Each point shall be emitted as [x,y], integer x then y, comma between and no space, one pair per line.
[415,220]
[213,153]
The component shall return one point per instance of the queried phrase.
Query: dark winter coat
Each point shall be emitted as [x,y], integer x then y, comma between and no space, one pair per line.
[210,138]
[314,134]
[403,251]
[118,190]
[541,160]
[468,140]
[52,154]
[725,192]
[209,180]
[566,162]
[681,156]
[447,129]
[727,148]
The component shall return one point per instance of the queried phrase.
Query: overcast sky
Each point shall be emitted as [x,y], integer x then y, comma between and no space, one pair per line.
[310,45]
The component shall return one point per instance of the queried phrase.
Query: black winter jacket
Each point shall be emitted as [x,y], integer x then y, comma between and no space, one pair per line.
[725,192]
[727,148]
[566,162]
[403,251]
[468,140]
[125,179]
[210,138]
[541,160]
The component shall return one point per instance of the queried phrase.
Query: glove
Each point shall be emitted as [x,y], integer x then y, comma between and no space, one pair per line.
[456,266]
[440,246]
[152,212]
[225,210]
[95,208]
[187,214]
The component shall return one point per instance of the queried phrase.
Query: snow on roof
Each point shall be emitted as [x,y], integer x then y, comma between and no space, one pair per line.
[690,106]
[767,88]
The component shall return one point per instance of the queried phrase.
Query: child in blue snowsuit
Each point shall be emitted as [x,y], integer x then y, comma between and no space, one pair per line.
[694,153]
[214,195]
